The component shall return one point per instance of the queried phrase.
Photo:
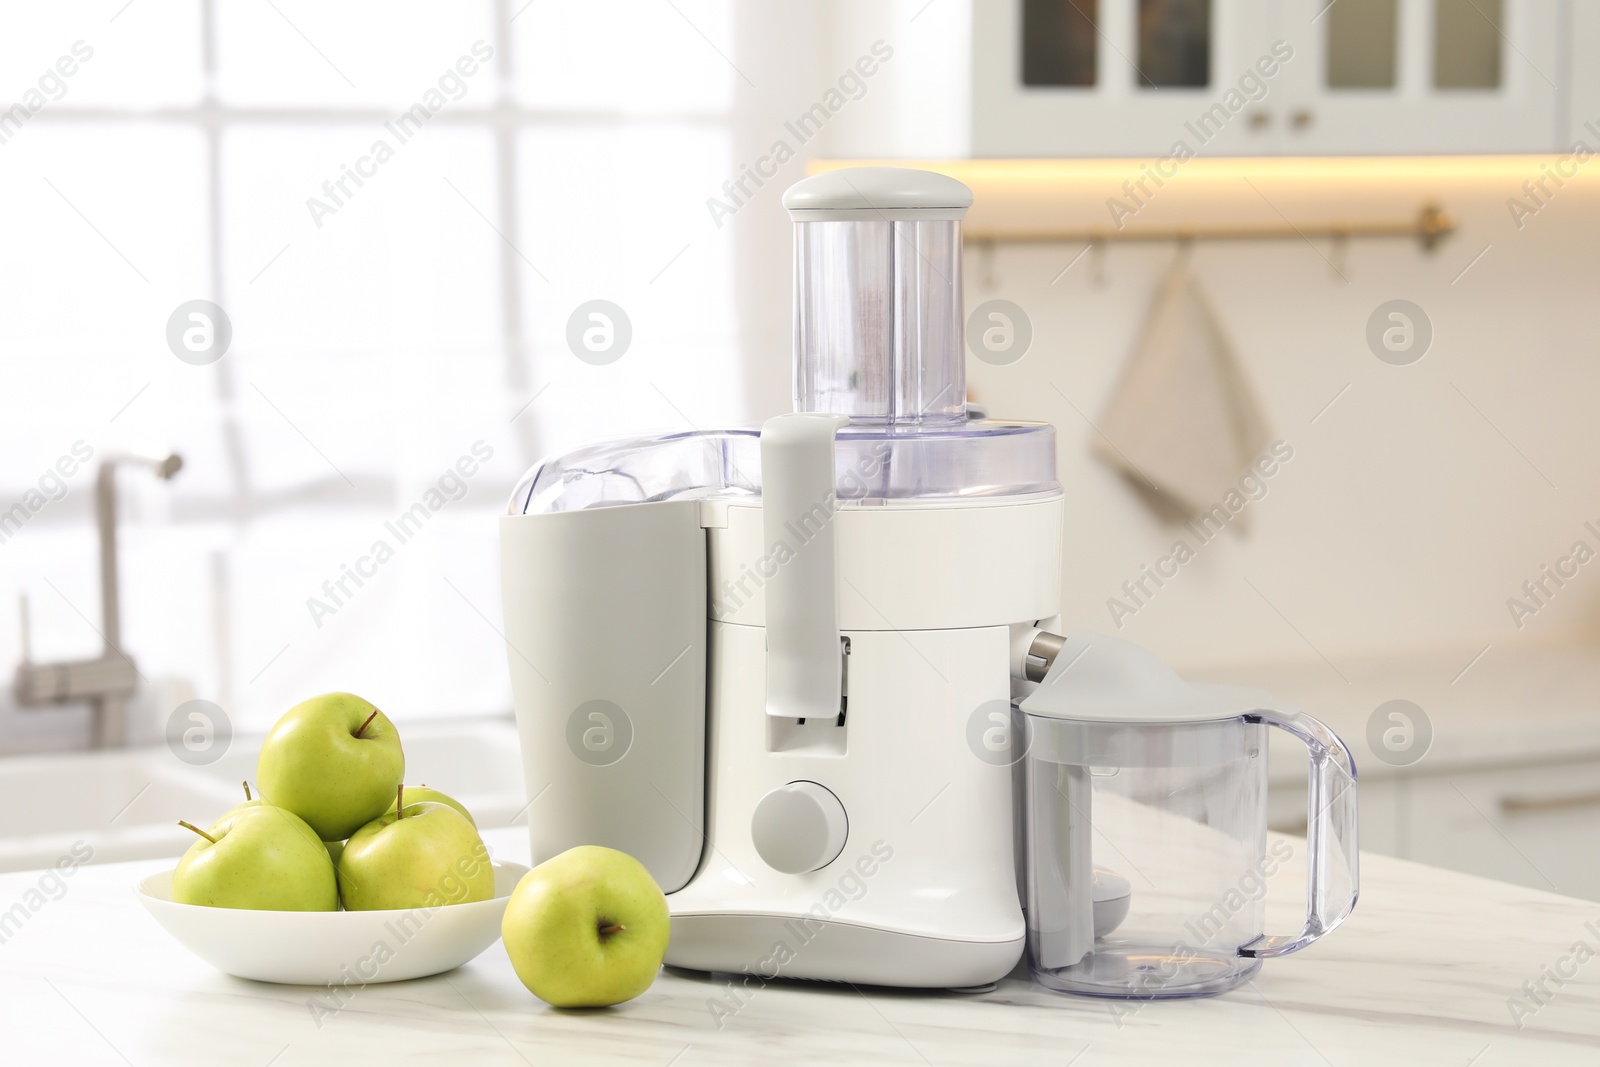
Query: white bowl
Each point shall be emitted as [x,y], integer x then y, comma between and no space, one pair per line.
[352,948]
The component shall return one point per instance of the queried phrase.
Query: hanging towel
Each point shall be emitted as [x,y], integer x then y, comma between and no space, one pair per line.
[1183,420]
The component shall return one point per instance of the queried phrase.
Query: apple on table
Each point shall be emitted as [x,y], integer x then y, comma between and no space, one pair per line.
[587,928]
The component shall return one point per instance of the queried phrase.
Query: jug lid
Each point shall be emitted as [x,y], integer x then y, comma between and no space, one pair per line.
[1099,678]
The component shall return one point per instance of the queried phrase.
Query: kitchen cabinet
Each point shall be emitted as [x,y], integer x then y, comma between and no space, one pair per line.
[1538,826]
[1535,824]
[1267,77]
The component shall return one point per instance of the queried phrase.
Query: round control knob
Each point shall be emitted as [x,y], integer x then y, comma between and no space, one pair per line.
[799,827]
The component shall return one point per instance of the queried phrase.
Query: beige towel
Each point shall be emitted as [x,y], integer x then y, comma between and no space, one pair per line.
[1183,420]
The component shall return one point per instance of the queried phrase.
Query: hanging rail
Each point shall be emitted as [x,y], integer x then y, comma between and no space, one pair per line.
[1431,225]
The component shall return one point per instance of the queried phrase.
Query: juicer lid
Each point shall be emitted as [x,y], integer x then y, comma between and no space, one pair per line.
[864,194]
[1103,679]
[981,460]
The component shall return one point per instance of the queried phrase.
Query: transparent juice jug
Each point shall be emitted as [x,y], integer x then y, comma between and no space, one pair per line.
[1145,817]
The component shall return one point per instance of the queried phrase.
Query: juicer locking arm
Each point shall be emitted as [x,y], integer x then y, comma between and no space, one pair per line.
[805,664]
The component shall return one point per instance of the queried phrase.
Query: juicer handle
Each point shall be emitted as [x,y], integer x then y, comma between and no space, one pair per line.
[1332,865]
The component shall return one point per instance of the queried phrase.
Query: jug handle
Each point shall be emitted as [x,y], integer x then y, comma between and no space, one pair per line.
[1332,866]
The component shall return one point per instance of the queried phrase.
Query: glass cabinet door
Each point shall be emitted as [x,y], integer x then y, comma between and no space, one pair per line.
[1424,76]
[1173,44]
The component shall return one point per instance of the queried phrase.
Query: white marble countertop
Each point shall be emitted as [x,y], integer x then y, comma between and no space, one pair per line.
[1422,973]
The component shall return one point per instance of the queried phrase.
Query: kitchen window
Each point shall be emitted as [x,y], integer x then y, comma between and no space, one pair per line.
[399,318]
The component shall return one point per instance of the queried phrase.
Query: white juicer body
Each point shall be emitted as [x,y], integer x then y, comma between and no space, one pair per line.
[923,890]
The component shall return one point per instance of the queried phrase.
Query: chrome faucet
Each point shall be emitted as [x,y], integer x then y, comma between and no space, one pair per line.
[109,679]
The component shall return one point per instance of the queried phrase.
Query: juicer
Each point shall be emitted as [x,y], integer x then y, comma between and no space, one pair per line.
[779,640]
[779,665]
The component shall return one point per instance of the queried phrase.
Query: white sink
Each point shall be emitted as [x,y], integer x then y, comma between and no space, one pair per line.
[126,804]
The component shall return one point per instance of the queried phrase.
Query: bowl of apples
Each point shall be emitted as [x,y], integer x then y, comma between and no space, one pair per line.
[337,872]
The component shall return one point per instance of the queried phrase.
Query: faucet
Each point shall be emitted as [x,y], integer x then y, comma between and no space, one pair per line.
[110,678]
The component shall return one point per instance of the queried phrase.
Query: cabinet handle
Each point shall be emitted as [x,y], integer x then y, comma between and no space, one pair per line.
[1515,805]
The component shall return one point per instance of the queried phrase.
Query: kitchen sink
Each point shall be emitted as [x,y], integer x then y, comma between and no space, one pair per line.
[125,804]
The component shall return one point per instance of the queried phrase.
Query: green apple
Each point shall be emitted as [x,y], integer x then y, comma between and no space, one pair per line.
[416,794]
[259,857]
[587,928]
[419,856]
[335,761]
[335,850]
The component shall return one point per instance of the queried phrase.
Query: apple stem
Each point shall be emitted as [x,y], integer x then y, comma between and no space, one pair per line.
[368,723]
[246,784]
[614,928]
[196,829]
[400,801]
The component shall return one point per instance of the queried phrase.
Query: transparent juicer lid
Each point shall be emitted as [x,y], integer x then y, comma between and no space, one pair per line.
[878,337]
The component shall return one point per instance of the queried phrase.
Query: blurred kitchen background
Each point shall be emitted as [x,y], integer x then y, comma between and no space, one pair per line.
[413,325]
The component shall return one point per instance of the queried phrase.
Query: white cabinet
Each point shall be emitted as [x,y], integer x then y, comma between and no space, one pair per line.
[1536,824]
[1261,77]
